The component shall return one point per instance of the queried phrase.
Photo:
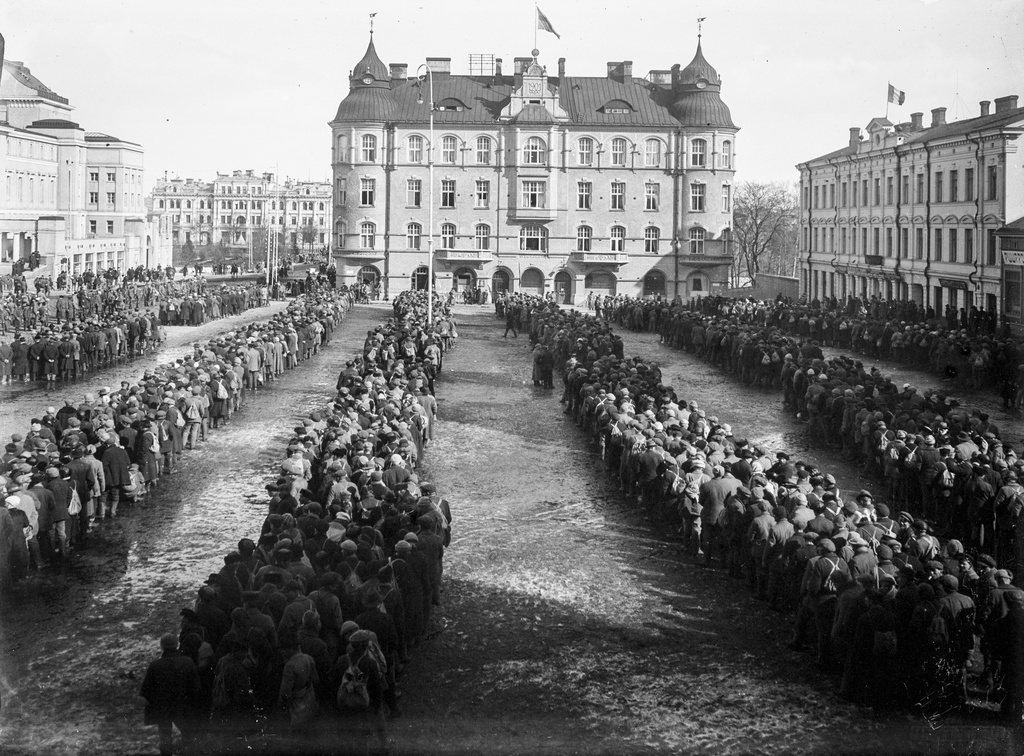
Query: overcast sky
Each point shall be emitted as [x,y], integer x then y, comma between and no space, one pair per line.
[217,85]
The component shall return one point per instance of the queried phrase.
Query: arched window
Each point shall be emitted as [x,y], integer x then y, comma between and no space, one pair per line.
[584,237]
[651,236]
[340,230]
[618,238]
[535,152]
[188,204]
[413,234]
[483,150]
[447,236]
[161,204]
[585,151]
[618,151]
[415,149]
[533,239]
[727,154]
[698,153]
[696,241]
[449,146]
[369,143]
[367,235]
[652,153]
[482,236]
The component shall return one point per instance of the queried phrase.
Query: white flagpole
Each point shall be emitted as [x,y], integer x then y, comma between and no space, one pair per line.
[888,89]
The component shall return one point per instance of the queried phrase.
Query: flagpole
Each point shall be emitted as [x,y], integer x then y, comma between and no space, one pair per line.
[536,23]
[888,89]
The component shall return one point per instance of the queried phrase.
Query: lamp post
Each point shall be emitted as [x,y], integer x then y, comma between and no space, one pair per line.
[430,191]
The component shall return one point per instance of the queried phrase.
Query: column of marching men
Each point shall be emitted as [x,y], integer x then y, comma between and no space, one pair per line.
[63,338]
[314,621]
[74,465]
[902,619]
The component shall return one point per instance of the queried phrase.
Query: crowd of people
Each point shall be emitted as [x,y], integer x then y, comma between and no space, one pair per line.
[317,618]
[74,465]
[898,615]
[63,339]
[963,348]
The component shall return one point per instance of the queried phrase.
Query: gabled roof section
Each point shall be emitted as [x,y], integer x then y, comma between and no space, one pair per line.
[533,114]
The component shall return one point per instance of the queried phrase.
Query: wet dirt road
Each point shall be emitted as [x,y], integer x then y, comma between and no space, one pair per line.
[570,623]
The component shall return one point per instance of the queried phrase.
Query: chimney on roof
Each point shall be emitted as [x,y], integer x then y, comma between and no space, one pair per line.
[854,136]
[399,71]
[497,68]
[939,116]
[917,121]
[675,75]
[627,70]
[440,66]
[561,69]
[521,65]
[984,107]
[1006,103]
[615,70]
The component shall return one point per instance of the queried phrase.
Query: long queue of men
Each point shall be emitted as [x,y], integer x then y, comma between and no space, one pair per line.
[98,333]
[74,465]
[317,618]
[898,615]
[964,350]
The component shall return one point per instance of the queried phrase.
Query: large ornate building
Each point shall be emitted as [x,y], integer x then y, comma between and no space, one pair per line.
[911,211]
[240,209]
[546,184]
[73,196]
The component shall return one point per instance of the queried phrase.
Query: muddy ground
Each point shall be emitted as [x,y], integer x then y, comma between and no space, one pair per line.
[570,624]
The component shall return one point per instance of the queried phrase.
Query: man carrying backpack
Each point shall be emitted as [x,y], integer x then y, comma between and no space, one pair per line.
[822,590]
[192,409]
[364,683]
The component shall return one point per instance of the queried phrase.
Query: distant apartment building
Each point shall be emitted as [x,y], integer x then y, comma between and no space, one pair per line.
[912,211]
[239,209]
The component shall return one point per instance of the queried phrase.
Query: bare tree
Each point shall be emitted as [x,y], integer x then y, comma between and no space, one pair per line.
[765,228]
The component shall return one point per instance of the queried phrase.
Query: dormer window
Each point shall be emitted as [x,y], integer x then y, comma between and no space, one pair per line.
[452,104]
[617,107]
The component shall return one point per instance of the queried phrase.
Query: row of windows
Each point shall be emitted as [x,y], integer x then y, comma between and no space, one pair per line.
[531,238]
[111,176]
[94,225]
[865,194]
[31,191]
[240,205]
[534,194]
[948,245]
[535,151]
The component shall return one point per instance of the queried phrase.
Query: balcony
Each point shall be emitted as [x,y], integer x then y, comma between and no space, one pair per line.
[710,252]
[599,258]
[364,255]
[532,213]
[475,256]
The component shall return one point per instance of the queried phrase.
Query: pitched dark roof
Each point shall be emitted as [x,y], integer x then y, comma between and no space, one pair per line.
[584,98]
[1017,225]
[968,125]
[847,150]
[53,123]
[19,71]
[367,104]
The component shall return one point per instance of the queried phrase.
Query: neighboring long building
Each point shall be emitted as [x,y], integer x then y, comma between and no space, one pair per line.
[71,195]
[912,211]
[234,208]
[561,184]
